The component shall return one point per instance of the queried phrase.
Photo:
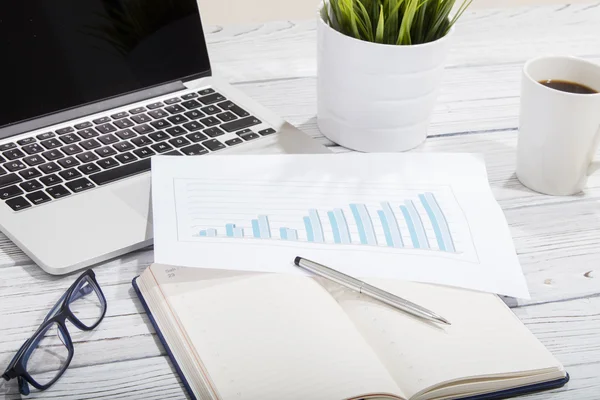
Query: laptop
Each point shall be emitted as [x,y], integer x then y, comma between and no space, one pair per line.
[93,89]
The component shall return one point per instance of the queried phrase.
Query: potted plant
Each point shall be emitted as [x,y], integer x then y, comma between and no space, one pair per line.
[380,64]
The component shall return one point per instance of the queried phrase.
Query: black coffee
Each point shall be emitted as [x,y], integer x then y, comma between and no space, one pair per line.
[566,86]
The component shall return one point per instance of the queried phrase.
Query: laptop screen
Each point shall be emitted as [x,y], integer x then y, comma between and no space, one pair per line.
[59,54]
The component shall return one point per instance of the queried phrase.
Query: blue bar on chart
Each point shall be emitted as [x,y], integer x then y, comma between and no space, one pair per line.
[309,230]
[283,233]
[202,233]
[315,221]
[334,227]
[238,232]
[211,232]
[255,229]
[229,229]
[438,221]
[263,227]
[292,234]
[415,225]
[392,224]
[365,225]
[342,225]
[386,228]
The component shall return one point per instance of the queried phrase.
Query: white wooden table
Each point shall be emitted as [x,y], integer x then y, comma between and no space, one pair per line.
[557,238]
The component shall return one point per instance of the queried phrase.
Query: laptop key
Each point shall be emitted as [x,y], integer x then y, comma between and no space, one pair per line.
[38,197]
[144,152]
[233,142]
[72,149]
[124,123]
[51,144]
[88,168]
[196,137]
[160,124]
[30,173]
[137,110]
[204,92]
[210,110]
[268,131]
[69,174]
[194,114]
[13,154]
[249,136]
[213,145]
[90,144]
[177,130]
[231,106]
[79,185]
[123,146]
[126,134]
[2,159]
[106,128]
[18,203]
[31,185]
[189,96]
[143,129]
[121,172]
[50,180]
[192,126]
[175,109]
[179,142]
[83,125]
[62,131]
[240,124]
[87,157]
[108,139]
[194,150]
[126,158]
[105,151]
[52,155]
[2,171]
[141,141]
[141,118]
[7,146]
[177,119]
[88,133]
[161,147]
[13,166]
[226,116]
[152,106]
[158,114]
[44,136]
[58,191]
[213,132]
[191,104]
[211,98]
[9,192]
[49,168]
[107,163]
[70,138]
[25,141]
[120,115]
[9,179]
[68,162]
[210,121]
[34,160]
[157,136]
[33,148]
[173,100]
[102,120]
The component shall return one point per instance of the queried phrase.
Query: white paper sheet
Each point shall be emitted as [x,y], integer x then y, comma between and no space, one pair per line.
[422,217]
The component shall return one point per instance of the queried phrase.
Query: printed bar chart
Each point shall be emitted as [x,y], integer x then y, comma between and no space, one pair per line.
[418,224]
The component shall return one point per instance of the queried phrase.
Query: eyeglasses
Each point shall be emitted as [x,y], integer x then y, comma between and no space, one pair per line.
[44,357]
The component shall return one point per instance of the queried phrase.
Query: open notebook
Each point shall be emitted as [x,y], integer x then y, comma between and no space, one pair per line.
[247,336]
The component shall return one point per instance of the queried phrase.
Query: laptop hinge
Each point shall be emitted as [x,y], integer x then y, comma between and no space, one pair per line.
[92,108]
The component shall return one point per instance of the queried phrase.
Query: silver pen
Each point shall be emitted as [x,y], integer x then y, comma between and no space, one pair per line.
[369,290]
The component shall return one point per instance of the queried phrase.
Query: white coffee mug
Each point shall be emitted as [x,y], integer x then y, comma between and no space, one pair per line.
[559,131]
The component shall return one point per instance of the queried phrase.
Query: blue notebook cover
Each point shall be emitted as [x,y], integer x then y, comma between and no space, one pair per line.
[503,394]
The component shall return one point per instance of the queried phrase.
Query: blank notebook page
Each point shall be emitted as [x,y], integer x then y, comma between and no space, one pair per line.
[266,336]
[485,337]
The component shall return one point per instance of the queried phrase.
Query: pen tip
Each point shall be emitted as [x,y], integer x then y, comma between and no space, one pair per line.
[297,260]
[445,321]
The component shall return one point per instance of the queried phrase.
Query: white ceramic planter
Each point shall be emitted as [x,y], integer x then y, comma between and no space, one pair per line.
[374,97]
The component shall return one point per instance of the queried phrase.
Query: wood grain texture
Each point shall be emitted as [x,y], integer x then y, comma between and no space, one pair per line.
[557,238]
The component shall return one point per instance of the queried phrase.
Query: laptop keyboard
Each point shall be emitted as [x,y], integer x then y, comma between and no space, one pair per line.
[52,165]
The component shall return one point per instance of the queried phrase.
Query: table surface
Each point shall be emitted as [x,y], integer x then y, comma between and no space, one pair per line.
[557,238]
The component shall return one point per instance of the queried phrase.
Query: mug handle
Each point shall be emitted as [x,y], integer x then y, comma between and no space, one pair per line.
[594,164]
